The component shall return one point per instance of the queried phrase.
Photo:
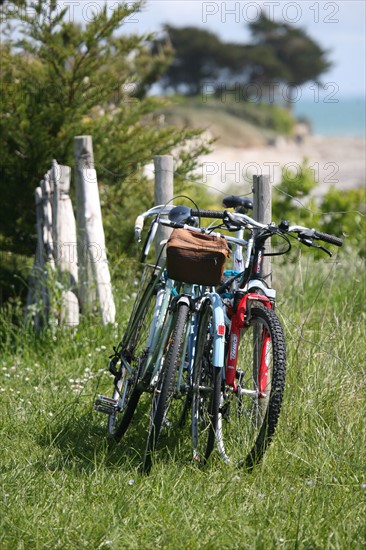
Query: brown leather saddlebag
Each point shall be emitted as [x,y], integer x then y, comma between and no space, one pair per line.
[196,258]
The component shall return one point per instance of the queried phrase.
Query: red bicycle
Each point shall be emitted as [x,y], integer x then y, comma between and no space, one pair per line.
[254,376]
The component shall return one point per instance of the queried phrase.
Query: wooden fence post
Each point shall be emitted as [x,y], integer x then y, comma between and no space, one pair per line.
[94,276]
[39,293]
[164,192]
[64,235]
[47,220]
[84,159]
[40,246]
[262,212]
[37,289]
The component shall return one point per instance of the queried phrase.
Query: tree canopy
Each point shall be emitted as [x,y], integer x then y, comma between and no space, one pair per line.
[296,57]
[60,79]
[279,53]
[197,58]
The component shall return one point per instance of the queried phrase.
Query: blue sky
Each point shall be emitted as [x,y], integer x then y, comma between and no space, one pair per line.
[337,26]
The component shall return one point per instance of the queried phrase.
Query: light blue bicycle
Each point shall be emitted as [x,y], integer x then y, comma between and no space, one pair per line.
[173,348]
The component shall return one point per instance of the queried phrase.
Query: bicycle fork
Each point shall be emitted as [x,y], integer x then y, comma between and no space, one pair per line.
[239,322]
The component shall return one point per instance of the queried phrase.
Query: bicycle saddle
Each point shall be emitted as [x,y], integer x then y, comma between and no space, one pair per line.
[242,204]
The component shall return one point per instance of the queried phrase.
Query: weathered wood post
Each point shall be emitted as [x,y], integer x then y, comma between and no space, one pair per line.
[37,289]
[47,220]
[40,247]
[164,192]
[84,159]
[65,250]
[94,276]
[262,212]
[40,285]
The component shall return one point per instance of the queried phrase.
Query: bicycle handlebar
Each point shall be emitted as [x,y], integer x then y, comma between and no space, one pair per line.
[331,239]
[161,209]
[245,220]
[214,214]
[305,234]
[139,225]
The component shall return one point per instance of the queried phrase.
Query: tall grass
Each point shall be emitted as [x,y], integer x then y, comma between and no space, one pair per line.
[62,486]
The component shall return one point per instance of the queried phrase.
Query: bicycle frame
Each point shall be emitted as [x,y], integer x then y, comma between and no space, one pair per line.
[158,333]
[218,352]
[242,298]
[160,330]
[193,292]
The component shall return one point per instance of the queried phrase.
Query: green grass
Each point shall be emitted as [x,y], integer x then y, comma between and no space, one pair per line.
[63,487]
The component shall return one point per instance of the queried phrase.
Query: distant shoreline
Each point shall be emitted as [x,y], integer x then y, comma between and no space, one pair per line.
[336,161]
[334,116]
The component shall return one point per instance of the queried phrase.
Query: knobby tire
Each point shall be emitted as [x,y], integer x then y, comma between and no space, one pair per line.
[247,423]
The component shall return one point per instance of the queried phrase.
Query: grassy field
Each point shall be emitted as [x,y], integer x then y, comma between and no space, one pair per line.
[63,488]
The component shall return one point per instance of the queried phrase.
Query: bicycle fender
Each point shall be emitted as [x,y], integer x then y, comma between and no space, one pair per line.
[258,298]
[218,355]
[184,300]
[233,351]
[258,283]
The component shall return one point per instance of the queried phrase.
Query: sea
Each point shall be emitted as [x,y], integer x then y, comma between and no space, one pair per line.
[334,116]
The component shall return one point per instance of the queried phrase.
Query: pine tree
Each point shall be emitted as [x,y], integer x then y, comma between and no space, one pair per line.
[60,79]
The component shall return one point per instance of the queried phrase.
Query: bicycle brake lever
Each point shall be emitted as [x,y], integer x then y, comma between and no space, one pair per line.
[230,222]
[324,249]
[309,242]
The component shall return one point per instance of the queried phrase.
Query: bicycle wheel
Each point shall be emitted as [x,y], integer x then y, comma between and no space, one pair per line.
[168,402]
[130,355]
[206,389]
[248,417]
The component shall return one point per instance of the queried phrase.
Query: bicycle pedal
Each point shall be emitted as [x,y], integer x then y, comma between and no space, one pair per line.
[225,412]
[106,405]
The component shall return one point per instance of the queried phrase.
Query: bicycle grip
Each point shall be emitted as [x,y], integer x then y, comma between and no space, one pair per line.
[218,214]
[139,225]
[331,239]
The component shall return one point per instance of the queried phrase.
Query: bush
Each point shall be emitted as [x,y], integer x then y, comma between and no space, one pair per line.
[340,212]
[61,80]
